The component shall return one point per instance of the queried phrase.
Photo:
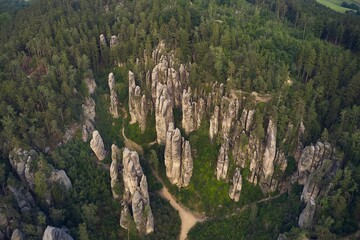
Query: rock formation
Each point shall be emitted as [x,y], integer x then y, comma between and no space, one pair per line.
[214,123]
[247,119]
[137,103]
[89,114]
[91,85]
[53,233]
[235,189]
[178,158]
[136,194]
[103,40]
[222,165]
[192,112]
[17,235]
[269,154]
[163,112]
[60,177]
[23,197]
[97,145]
[113,97]
[113,41]
[306,216]
[114,170]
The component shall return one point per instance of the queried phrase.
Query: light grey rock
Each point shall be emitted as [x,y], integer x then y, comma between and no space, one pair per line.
[178,158]
[3,220]
[137,104]
[53,233]
[270,151]
[89,115]
[113,41]
[103,40]
[214,123]
[307,215]
[192,112]
[97,145]
[228,115]
[114,169]
[60,177]
[21,161]
[163,112]
[17,235]
[222,165]
[125,217]
[235,189]
[113,97]
[136,194]
[247,117]
[91,85]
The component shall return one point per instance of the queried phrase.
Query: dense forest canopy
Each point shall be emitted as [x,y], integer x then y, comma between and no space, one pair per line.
[302,54]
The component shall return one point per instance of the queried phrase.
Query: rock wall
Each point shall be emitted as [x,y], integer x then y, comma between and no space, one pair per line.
[113,97]
[192,112]
[136,194]
[163,112]
[97,145]
[222,165]
[137,103]
[235,188]
[114,170]
[178,158]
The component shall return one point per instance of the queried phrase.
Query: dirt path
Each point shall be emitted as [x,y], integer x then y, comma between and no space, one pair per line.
[188,219]
[131,144]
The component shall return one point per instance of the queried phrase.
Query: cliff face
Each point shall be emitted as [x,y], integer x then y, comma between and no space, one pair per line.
[178,158]
[88,108]
[193,112]
[136,194]
[163,112]
[113,97]
[137,103]
[235,188]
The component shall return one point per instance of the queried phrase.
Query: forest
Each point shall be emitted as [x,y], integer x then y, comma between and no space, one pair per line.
[302,54]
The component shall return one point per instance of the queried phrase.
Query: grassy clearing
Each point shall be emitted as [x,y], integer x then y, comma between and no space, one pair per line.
[336,4]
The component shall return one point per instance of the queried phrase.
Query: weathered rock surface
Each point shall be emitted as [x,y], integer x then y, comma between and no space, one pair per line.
[193,112]
[270,150]
[222,165]
[113,41]
[21,161]
[163,112]
[114,170]
[91,85]
[89,114]
[136,194]
[307,215]
[214,123]
[103,40]
[113,97]
[178,158]
[247,117]
[97,145]
[137,103]
[60,177]
[53,233]
[235,189]
[229,108]
[17,235]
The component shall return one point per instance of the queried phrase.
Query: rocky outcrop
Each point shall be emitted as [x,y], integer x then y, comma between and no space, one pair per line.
[17,235]
[137,103]
[178,158]
[90,84]
[113,41]
[312,158]
[114,170]
[60,177]
[24,199]
[53,233]
[97,145]
[222,165]
[163,112]
[214,123]
[21,160]
[103,40]
[89,114]
[229,108]
[192,112]
[269,155]
[247,117]
[307,215]
[235,189]
[113,97]
[136,194]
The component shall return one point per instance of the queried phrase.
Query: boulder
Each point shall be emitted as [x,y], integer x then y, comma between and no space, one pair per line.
[60,177]
[17,235]
[97,145]
[53,233]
